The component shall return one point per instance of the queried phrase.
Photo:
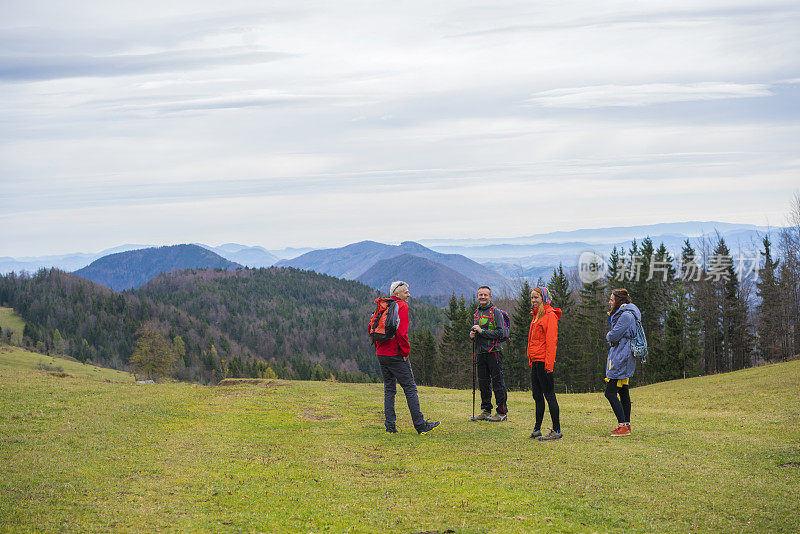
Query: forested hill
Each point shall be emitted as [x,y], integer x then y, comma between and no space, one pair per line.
[67,314]
[222,323]
[285,313]
[129,270]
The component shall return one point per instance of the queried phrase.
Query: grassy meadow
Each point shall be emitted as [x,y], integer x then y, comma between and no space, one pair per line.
[88,452]
[10,320]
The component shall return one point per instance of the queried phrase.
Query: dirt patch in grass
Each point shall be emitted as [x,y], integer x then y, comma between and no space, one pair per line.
[313,415]
[266,382]
[53,368]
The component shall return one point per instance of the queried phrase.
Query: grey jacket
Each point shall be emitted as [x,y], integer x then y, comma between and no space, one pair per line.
[621,363]
[487,340]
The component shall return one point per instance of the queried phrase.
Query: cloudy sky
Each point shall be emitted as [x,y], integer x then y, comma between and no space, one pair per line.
[323,123]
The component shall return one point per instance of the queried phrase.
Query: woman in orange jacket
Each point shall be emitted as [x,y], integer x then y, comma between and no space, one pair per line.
[542,342]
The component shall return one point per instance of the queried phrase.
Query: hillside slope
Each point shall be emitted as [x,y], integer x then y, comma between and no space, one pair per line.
[716,453]
[132,269]
[16,358]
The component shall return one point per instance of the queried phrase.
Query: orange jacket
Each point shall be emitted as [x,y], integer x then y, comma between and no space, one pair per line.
[543,337]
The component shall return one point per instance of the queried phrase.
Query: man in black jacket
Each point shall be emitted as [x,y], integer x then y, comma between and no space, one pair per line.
[487,332]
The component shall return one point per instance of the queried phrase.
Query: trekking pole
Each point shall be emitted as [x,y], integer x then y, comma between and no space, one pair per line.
[474,370]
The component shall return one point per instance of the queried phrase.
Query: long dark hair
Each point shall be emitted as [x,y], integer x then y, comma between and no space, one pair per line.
[620,297]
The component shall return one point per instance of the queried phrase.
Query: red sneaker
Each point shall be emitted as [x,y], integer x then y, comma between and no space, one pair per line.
[621,430]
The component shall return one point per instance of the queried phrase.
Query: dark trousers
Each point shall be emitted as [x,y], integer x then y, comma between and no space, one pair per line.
[543,388]
[490,376]
[621,405]
[395,369]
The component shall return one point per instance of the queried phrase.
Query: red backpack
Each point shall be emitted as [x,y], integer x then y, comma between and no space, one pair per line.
[385,320]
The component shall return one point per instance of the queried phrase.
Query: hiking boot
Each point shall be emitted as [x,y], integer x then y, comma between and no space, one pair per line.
[427,427]
[621,430]
[536,434]
[552,435]
[497,417]
[483,416]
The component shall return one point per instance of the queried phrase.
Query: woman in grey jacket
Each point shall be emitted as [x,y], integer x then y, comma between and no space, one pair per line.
[621,364]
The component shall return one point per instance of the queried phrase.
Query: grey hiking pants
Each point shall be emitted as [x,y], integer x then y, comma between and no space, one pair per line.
[395,369]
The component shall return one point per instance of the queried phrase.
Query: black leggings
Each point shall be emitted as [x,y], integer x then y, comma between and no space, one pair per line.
[543,388]
[621,405]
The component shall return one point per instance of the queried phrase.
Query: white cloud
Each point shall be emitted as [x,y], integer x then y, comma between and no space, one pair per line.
[238,112]
[600,96]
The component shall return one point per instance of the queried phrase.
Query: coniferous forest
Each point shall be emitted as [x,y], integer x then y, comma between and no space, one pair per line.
[704,311]
[280,322]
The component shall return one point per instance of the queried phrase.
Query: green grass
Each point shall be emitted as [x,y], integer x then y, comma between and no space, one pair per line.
[15,358]
[9,319]
[718,453]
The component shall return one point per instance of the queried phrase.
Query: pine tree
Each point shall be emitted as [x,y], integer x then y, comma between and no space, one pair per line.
[424,357]
[790,276]
[771,336]
[615,273]
[680,350]
[516,369]
[592,321]
[732,311]
[566,354]
[455,349]
[658,299]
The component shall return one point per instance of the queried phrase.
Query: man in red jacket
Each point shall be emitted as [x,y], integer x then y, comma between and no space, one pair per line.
[393,356]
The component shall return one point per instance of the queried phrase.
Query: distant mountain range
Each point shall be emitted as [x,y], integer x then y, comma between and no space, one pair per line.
[490,261]
[360,261]
[65,262]
[132,269]
[243,254]
[520,257]
[374,264]
[354,260]
[603,235]
[424,277]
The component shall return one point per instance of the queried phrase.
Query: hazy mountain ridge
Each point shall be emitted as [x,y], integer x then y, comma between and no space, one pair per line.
[132,269]
[65,262]
[604,235]
[425,277]
[491,260]
[249,256]
[542,255]
[354,260]
[244,255]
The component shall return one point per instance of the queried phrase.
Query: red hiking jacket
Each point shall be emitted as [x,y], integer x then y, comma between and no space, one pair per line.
[398,345]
